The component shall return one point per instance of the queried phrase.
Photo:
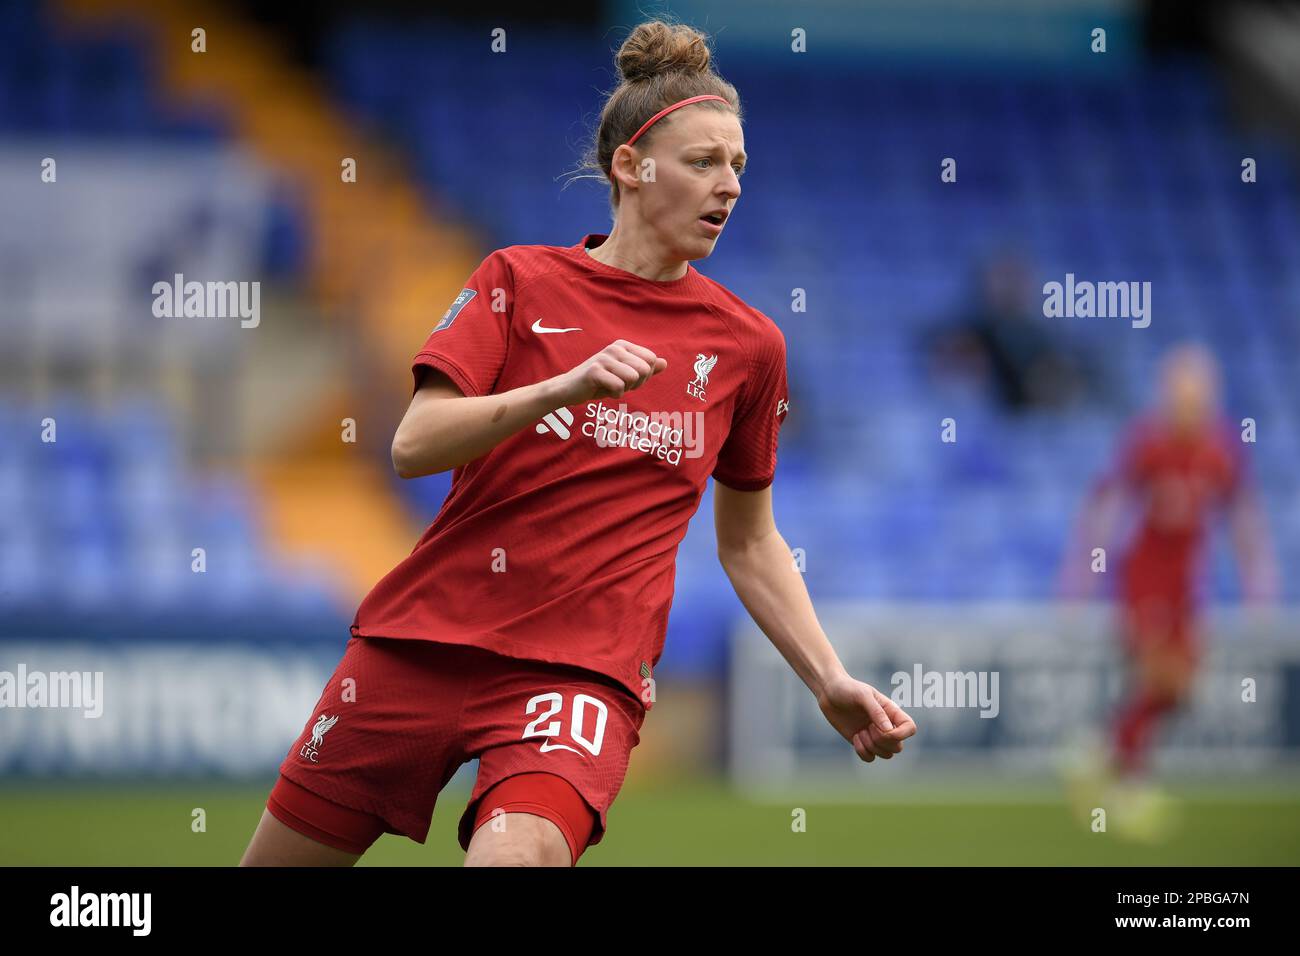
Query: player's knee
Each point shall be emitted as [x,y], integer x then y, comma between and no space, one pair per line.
[1180,677]
[1170,692]
[528,841]
[1179,693]
[516,854]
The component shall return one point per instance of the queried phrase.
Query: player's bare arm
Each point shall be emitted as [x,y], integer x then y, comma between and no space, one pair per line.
[1261,580]
[1096,527]
[759,564]
[443,428]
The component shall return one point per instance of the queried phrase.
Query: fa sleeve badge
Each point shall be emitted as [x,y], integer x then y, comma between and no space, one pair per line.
[450,315]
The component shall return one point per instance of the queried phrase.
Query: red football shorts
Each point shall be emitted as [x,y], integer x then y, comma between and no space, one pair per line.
[1157,610]
[399,717]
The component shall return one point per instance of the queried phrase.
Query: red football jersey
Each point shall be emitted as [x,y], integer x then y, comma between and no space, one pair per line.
[1181,480]
[560,544]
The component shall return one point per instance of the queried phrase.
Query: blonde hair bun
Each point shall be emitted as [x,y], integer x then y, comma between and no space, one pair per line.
[657,47]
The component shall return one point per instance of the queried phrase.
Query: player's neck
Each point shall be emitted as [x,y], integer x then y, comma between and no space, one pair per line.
[634,257]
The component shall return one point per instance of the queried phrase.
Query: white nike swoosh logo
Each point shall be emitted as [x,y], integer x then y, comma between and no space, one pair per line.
[547,745]
[538,327]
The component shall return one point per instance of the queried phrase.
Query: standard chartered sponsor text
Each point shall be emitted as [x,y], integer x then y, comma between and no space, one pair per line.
[665,435]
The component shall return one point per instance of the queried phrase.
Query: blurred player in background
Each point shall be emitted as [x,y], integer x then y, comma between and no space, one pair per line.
[1180,465]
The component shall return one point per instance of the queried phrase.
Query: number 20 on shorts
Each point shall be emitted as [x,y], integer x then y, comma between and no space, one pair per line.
[577,719]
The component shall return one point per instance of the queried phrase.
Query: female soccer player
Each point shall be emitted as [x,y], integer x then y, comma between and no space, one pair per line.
[1182,465]
[583,395]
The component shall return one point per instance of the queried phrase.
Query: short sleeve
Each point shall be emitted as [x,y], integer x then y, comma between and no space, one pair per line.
[747,461]
[470,340]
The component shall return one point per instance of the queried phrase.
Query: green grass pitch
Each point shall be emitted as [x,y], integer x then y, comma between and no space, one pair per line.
[698,823]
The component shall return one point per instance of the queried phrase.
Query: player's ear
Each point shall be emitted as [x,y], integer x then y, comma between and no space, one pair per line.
[624,161]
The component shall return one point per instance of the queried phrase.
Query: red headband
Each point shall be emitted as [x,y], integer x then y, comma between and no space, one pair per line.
[664,112]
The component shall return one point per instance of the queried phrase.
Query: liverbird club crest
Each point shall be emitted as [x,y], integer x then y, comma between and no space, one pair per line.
[703,366]
[312,747]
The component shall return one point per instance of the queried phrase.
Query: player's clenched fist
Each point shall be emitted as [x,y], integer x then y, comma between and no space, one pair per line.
[871,721]
[617,368]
